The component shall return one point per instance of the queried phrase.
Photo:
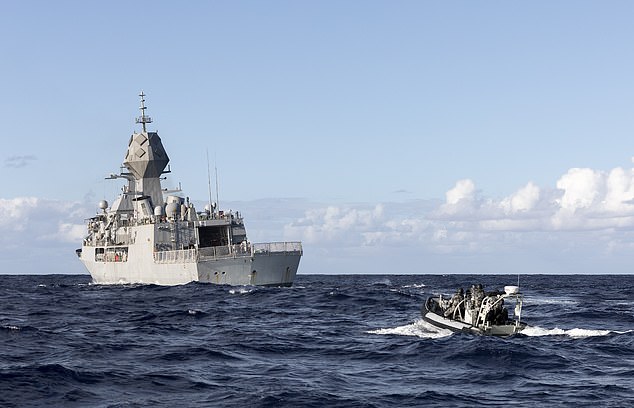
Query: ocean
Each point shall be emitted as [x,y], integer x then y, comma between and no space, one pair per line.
[328,341]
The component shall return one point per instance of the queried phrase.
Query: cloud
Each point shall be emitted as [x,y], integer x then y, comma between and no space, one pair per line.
[333,223]
[39,236]
[15,211]
[524,200]
[581,189]
[588,212]
[19,161]
[464,191]
[27,220]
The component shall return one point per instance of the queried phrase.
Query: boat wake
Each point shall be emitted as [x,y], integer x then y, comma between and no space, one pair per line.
[422,329]
[536,331]
[419,328]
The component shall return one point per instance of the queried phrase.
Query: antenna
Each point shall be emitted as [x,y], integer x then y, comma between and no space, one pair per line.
[216,171]
[143,119]
[518,281]
[211,209]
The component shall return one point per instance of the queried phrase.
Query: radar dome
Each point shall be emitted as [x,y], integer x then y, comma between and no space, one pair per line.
[103,204]
[171,209]
[175,200]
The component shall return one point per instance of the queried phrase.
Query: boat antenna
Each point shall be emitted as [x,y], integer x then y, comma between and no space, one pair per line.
[143,119]
[211,209]
[216,171]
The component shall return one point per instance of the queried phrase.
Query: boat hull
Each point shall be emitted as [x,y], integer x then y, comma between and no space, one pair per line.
[429,314]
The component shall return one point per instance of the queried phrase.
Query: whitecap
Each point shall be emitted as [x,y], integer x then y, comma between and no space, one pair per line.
[416,286]
[241,291]
[383,282]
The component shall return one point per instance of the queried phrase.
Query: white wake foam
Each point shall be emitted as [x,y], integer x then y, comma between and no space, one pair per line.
[575,333]
[550,301]
[419,328]
[422,329]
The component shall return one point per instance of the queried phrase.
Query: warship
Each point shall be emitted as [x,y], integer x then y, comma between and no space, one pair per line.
[151,235]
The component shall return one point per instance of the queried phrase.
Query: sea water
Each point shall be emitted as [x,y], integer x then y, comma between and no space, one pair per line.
[327,341]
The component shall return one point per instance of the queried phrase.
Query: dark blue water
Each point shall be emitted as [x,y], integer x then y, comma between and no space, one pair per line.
[335,341]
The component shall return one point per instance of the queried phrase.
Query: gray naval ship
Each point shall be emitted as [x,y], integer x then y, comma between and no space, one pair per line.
[150,236]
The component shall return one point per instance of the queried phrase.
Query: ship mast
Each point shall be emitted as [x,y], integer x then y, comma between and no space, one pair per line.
[146,159]
[143,119]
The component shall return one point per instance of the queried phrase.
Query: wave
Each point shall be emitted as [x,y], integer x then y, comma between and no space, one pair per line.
[419,328]
[241,291]
[54,373]
[196,353]
[11,328]
[382,282]
[415,286]
[196,312]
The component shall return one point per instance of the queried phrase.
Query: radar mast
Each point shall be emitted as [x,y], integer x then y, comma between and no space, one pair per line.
[143,119]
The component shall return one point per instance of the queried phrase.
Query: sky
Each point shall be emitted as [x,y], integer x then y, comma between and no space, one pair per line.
[387,136]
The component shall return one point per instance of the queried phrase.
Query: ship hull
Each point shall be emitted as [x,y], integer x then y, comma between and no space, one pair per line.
[260,270]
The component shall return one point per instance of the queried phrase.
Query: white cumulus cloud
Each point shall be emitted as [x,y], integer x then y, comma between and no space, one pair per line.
[33,219]
[463,191]
[334,223]
[525,199]
[587,210]
[581,188]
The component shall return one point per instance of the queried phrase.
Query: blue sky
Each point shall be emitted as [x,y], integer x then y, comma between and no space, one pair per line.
[452,137]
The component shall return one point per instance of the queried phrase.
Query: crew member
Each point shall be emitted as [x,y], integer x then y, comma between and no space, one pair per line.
[455,301]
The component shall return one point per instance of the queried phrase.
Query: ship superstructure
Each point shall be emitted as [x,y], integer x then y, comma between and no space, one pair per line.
[152,236]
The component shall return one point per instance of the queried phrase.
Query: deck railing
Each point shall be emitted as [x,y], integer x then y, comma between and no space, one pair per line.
[224,252]
[179,256]
[277,247]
